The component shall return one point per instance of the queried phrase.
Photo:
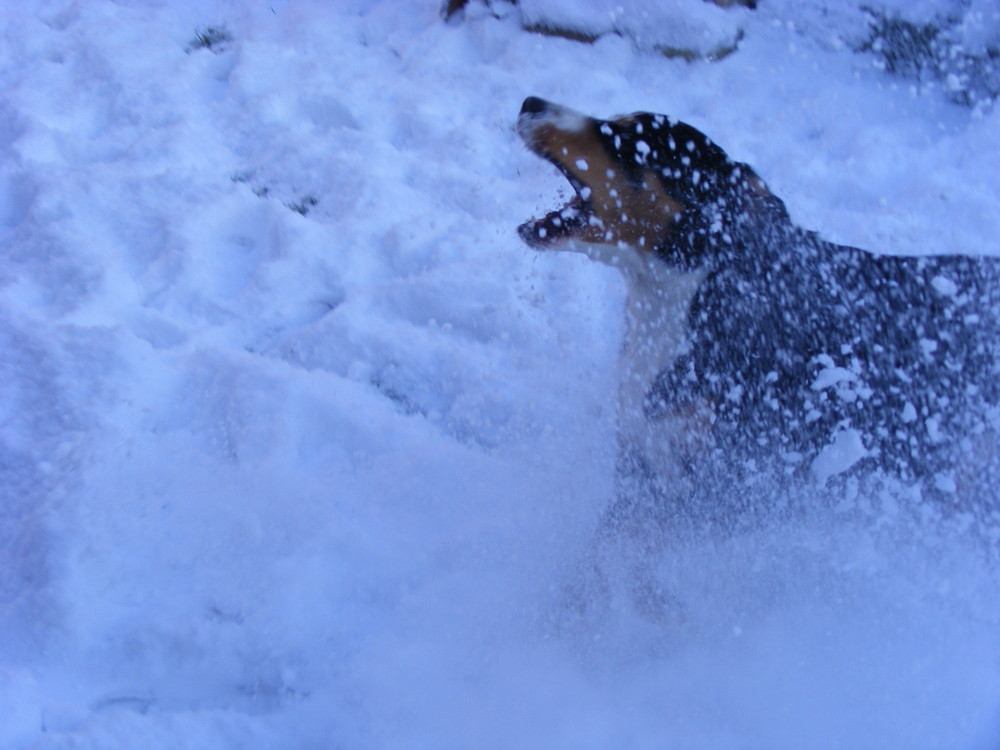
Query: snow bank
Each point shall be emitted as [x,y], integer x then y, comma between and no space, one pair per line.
[299,445]
[673,27]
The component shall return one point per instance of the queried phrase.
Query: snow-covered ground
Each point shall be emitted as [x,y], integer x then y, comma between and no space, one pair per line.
[300,447]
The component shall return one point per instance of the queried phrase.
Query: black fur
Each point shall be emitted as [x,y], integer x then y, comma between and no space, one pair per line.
[914,339]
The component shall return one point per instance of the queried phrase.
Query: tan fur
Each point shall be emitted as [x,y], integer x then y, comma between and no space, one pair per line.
[636,215]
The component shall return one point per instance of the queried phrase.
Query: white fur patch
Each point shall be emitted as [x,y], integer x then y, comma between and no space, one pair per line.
[561,118]
[656,308]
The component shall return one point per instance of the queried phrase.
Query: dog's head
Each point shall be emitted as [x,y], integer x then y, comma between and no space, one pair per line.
[643,182]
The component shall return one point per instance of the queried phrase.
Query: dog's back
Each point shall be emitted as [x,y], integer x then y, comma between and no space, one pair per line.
[816,357]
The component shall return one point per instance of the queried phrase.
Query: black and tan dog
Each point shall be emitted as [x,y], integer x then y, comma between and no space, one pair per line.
[754,347]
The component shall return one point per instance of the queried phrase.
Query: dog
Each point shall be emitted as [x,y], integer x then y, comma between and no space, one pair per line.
[756,350]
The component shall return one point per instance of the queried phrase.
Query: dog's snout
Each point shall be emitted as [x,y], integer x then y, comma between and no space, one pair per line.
[534,106]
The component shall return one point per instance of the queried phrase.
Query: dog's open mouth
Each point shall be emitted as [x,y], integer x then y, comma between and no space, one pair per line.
[539,124]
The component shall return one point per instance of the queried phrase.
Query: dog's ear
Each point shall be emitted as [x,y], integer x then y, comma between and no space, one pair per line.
[727,206]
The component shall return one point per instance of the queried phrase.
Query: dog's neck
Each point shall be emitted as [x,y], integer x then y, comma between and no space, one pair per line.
[658,298]
[656,309]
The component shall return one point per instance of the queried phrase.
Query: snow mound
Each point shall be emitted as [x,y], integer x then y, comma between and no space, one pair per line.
[676,28]
[301,447]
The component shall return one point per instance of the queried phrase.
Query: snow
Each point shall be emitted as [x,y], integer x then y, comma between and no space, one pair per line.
[845,450]
[667,26]
[300,446]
